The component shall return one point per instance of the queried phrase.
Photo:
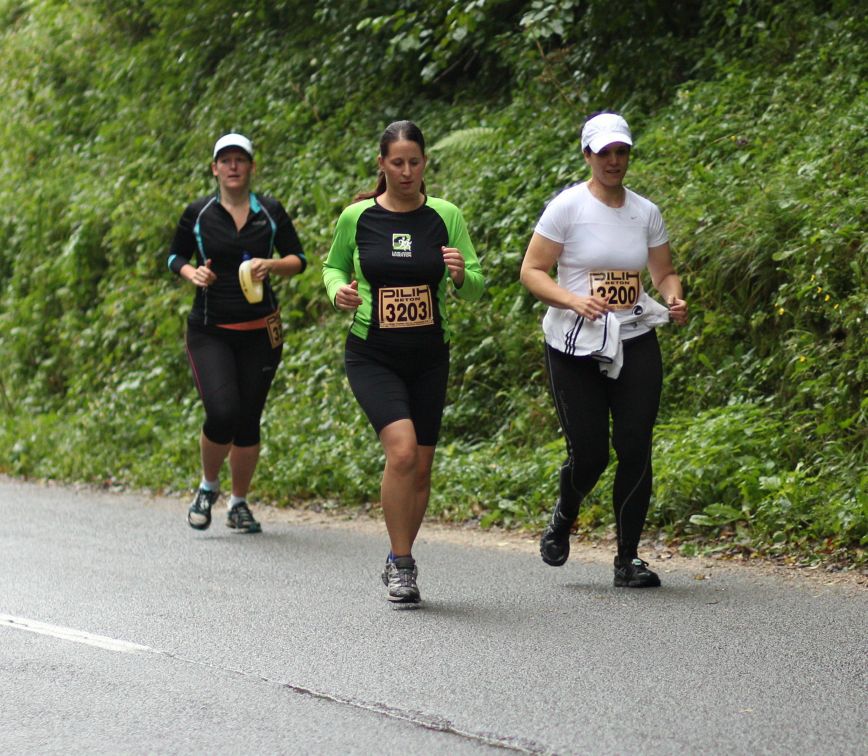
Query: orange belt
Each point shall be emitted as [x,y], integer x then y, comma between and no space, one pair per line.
[249,325]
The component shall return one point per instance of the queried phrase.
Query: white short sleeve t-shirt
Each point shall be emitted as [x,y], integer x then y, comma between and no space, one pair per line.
[597,238]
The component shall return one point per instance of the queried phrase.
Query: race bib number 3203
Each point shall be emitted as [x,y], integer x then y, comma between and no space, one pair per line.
[620,288]
[406,307]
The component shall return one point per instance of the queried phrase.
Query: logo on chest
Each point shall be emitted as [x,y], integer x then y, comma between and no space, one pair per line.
[402,245]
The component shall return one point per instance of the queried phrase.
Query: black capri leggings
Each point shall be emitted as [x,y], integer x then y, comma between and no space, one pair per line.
[584,399]
[400,384]
[233,371]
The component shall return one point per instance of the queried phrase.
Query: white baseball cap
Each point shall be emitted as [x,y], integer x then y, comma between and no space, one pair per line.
[233,140]
[604,129]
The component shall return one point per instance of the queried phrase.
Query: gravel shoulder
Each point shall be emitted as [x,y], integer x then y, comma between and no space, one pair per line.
[661,557]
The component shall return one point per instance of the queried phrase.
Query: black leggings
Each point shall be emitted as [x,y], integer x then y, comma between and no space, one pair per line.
[584,398]
[233,371]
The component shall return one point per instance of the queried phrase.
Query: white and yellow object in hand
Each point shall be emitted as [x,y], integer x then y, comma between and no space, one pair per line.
[253,290]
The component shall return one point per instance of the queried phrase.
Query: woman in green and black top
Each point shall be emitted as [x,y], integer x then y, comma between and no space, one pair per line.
[394,253]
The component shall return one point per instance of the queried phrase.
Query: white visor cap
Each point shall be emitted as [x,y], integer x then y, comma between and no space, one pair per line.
[604,129]
[233,140]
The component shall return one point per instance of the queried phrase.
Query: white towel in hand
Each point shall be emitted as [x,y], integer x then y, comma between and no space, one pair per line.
[601,338]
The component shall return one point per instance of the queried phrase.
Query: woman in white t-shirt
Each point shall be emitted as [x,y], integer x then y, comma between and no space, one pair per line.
[601,348]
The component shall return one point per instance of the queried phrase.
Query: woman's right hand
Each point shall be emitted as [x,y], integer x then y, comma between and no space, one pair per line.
[589,307]
[203,276]
[348,297]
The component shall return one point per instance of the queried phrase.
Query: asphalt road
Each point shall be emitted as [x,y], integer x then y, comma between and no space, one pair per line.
[124,631]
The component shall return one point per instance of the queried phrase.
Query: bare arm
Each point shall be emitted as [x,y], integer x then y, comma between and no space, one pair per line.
[260,267]
[539,259]
[667,282]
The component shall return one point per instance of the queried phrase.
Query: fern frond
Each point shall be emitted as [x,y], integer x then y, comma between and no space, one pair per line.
[467,139]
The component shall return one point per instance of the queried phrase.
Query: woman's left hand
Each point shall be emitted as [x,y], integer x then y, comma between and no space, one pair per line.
[678,310]
[259,268]
[454,264]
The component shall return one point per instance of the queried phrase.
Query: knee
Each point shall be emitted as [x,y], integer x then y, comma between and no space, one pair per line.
[220,425]
[423,476]
[631,453]
[247,435]
[402,458]
[587,469]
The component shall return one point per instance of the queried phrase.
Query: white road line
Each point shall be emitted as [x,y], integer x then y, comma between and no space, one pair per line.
[417,719]
[78,636]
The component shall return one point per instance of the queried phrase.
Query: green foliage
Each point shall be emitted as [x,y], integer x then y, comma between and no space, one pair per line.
[739,466]
[749,117]
[778,260]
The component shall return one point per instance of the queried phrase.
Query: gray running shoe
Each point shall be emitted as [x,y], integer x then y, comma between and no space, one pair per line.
[385,574]
[400,576]
[199,513]
[240,518]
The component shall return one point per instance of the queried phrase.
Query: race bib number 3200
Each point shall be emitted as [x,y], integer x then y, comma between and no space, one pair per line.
[406,307]
[620,288]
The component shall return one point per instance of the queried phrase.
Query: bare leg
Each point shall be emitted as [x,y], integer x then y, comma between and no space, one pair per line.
[424,463]
[242,465]
[399,490]
[212,457]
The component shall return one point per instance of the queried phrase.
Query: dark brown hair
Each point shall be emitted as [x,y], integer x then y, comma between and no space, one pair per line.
[394,132]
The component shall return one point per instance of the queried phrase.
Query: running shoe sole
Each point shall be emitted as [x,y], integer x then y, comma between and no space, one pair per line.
[621,582]
[406,605]
[203,512]
[555,562]
[198,525]
[257,528]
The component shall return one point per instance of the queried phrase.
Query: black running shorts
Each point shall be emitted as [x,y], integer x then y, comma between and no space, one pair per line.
[400,384]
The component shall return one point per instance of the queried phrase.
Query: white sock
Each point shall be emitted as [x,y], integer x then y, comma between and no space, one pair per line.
[210,485]
[233,500]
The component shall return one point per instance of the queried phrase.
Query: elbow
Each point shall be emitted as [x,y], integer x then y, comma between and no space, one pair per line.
[664,279]
[471,289]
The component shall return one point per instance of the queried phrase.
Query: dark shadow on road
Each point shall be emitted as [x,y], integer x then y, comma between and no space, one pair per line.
[451,609]
[687,594]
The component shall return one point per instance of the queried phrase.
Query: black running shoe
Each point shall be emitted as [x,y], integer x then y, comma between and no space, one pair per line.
[635,574]
[554,545]
[241,519]
[400,577]
[199,513]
